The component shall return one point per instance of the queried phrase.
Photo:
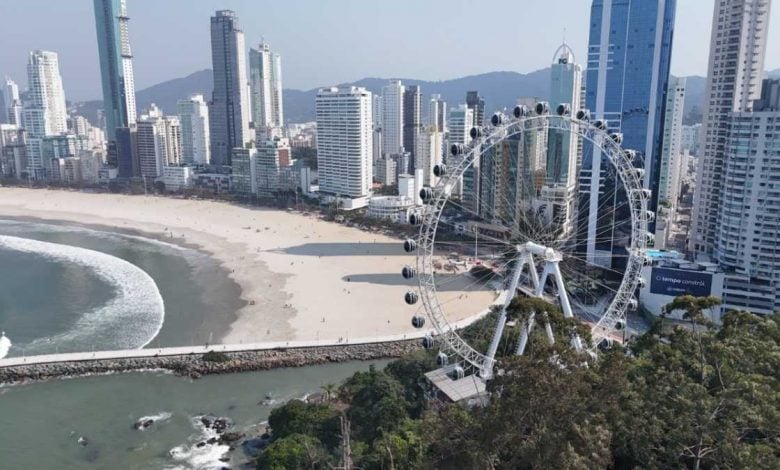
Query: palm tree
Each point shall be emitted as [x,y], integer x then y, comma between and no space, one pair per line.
[330,391]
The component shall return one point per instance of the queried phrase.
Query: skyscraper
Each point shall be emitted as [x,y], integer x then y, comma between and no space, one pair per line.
[229,106]
[737,50]
[344,135]
[392,117]
[12,103]
[560,183]
[477,104]
[116,64]
[437,113]
[672,146]
[44,112]
[747,227]
[629,54]
[265,78]
[194,120]
[412,124]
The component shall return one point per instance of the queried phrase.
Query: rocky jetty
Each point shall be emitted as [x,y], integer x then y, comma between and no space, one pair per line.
[194,365]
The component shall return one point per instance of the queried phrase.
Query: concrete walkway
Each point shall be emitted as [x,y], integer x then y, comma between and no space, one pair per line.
[200,349]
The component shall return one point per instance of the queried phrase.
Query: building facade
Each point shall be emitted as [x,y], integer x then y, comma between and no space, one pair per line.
[44,112]
[747,234]
[194,120]
[392,117]
[229,106]
[12,103]
[344,144]
[671,158]
[477,104]
[116,64]
[629,52]
[158,143]
[412,122]
[265,79]
[736,64]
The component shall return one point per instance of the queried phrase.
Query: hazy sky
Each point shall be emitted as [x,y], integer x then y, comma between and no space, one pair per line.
[336,41]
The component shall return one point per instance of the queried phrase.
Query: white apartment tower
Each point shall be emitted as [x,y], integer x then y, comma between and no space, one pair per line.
[158,141]
[344,144]
[13,105]
[392,117]
[265,79]
[437,113]
[748,219]
[194,120]
[736,64]
[671,158]
[45,111]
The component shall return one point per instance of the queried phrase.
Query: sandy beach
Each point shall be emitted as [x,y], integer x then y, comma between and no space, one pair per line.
[302,278]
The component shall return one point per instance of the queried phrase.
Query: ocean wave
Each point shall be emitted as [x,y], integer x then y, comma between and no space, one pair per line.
[130,320]
[21,227]
[198,454]
[5,345]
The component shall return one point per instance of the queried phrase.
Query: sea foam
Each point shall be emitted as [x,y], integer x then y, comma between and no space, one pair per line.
[131,319]
[5,345]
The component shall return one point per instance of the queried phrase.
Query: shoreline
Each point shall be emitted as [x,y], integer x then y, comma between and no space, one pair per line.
[194,365]
[301,278]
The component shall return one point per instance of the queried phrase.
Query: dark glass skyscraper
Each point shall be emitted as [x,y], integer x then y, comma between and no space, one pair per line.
[116,64]
[629,52]
[229,106]
[412,125]
[477,103]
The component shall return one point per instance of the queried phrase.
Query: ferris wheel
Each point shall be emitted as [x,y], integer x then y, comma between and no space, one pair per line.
[507,217]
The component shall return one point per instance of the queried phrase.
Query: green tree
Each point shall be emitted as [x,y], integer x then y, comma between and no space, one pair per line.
[377,404]
[296,451]
[320,421]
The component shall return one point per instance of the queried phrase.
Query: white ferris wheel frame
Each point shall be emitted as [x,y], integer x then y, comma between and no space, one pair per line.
[637,197]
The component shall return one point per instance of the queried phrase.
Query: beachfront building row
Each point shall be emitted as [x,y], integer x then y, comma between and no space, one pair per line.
[264,170]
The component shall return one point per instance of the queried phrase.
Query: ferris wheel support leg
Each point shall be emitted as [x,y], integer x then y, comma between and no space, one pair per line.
[528,327]
[576,341]
[487,372]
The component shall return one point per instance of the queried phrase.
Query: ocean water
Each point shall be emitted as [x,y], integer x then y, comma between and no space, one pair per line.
[68,288]
[41,423]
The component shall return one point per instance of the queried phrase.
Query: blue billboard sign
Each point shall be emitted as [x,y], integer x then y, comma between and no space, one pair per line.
[676,282]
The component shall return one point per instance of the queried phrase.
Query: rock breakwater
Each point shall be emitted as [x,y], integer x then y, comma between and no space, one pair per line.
[194,365]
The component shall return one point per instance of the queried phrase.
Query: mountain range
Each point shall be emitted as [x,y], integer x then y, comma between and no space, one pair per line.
[499,89]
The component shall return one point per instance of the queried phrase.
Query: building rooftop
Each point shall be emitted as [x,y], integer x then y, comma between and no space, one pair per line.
[468,387]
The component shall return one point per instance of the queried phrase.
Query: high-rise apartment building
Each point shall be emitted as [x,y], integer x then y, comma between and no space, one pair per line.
[44,112]
[265,79]
[560,186]
[158,141]
[412,123]
[194,120]
[477,104]
[392,117]
[12,103]
[736,65]
[437,113]
[629,53]
[116,64]
[748,220]
[273,159]
[344,135]
[229,106]
[671,158]
[461,120]
[429,153]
